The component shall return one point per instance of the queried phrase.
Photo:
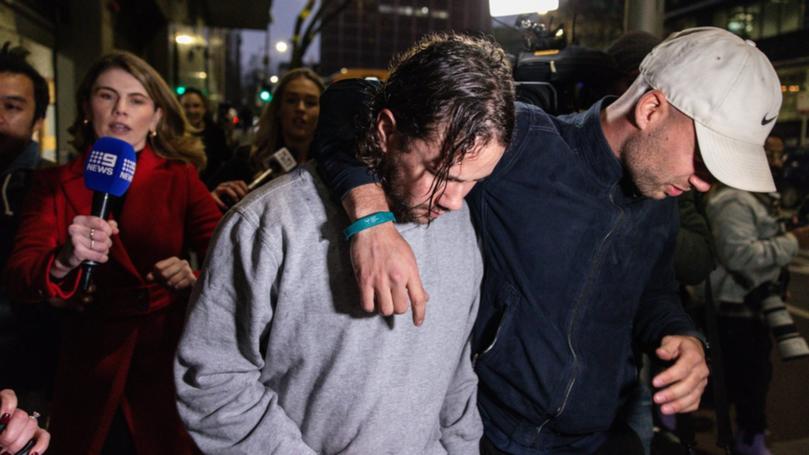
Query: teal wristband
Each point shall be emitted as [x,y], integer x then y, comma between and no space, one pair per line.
[368,222]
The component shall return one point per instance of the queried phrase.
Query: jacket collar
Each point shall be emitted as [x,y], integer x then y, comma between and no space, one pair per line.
[28,159]
[589,142]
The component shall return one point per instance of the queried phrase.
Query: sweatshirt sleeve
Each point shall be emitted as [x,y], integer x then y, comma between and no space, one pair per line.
[739,247]
[220,396]
[342,107]
[461,428]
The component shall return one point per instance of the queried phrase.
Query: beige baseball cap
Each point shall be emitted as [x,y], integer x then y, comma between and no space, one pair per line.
[730,89]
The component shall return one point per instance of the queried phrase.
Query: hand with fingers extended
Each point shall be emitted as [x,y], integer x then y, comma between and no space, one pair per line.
[387,273]
[174,273]
[228,193]
[682,383]
[89,239]
[18,430]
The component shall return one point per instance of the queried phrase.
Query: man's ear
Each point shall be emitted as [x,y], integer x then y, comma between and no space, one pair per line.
[651,108]
[386,129]
[38,124]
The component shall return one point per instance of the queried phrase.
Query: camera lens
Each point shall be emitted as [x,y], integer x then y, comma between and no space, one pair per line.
[791,345]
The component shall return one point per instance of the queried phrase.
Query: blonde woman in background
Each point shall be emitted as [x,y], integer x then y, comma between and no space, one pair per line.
[288,121]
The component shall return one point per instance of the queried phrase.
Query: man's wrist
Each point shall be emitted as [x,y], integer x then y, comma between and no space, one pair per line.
[367,222]
[365,200]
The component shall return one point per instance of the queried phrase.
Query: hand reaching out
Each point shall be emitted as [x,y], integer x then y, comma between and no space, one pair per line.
[232,192]
[173,273]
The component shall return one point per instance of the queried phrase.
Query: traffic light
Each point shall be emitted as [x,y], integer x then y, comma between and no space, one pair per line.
[265,95]
[180,90]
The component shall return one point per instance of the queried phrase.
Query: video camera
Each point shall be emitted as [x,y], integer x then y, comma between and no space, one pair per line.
[563,81]
[560,79]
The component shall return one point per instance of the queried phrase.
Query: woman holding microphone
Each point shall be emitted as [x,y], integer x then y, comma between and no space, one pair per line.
[114,391]
[288,121]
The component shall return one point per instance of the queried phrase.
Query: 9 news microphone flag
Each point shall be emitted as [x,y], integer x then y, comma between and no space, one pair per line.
[108,171]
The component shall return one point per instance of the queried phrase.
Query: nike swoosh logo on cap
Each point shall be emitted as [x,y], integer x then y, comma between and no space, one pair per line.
[765,120]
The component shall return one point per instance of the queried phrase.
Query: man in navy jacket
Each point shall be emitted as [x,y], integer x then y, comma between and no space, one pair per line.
[578,237]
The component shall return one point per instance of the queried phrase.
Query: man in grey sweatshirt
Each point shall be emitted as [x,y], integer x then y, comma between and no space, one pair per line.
[278,357]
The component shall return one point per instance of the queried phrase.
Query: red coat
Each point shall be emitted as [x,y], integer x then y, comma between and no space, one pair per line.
[118,353]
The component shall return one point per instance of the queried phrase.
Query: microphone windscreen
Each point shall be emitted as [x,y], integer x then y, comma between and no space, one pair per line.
[285,159]
[110,166]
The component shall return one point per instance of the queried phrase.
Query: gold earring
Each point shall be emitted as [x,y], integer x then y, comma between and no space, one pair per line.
[153,134]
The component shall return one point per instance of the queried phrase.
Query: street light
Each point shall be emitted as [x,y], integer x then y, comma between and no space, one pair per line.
[183,38]
[281,46]
[514,7]
[273,79]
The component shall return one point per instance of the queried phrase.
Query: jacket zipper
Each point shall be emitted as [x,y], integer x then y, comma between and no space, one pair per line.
[488,348]
[595,263]
[491,345]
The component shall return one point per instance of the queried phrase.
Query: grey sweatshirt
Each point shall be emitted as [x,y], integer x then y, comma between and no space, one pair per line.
[277,356]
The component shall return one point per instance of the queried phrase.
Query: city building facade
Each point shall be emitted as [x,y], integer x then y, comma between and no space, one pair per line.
[369,32]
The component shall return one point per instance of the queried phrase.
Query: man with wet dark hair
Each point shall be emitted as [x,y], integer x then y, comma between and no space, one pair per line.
[276,356]
[466,103]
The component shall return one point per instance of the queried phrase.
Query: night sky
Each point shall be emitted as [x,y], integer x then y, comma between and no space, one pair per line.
[284,13]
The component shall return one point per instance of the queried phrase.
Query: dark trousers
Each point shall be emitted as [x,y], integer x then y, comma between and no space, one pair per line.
[746,347]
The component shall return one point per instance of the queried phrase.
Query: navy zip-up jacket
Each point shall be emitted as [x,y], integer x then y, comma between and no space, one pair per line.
[578,267]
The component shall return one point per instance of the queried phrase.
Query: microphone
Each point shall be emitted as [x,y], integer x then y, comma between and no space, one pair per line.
[279,163]
[108,172]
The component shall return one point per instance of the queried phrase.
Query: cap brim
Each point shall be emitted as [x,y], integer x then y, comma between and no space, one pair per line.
[735,163]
